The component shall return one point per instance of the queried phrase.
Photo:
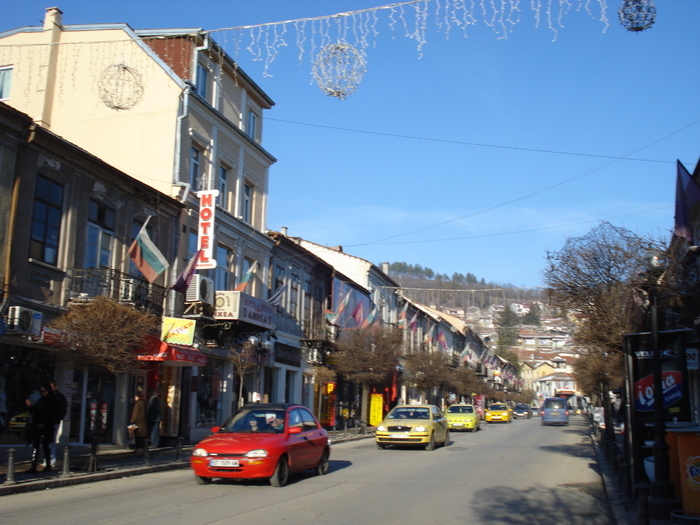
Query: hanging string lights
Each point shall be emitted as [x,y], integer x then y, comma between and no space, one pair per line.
[339,69]
[637,15]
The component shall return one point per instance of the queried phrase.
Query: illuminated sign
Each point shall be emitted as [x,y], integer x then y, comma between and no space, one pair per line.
[205,237]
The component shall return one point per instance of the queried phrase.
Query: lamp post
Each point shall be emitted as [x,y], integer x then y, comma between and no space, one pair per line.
[261,349]
[661,494]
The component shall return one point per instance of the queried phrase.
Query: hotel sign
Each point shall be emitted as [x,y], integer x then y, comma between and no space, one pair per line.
[237,306]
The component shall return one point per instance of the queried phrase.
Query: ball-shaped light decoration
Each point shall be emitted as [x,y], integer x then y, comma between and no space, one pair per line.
[120,87]
[339,69]
[637,15]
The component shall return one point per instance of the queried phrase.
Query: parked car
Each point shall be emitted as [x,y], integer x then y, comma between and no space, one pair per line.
[554,412]
[417,425]
[498,412]
[521,411]
[263,441]
[534,411]
[463,417]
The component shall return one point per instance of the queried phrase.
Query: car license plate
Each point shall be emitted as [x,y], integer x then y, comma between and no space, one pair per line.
[554,413]
[458,424]
[398,436]
[224,463]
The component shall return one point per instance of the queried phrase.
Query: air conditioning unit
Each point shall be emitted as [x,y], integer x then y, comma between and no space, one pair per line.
[201,290]
[24,321]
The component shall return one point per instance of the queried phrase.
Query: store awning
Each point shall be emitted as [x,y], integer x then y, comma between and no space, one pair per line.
[174,355]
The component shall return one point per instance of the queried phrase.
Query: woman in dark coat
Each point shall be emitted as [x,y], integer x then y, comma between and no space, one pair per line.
[138,418]
[44,414]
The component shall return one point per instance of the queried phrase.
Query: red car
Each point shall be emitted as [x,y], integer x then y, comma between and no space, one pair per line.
[263,441]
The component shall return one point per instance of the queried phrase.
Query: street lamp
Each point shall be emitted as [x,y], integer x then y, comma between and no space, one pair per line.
[261,349]
[661,495]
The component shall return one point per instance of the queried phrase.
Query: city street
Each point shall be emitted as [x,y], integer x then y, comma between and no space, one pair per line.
[519,473]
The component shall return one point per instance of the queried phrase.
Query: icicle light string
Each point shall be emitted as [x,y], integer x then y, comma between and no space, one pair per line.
[345,36]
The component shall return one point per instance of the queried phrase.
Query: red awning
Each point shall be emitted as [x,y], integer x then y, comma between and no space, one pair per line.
[172,354]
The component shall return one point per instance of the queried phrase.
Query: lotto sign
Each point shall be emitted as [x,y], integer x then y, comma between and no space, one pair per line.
[205,239]
[671,386]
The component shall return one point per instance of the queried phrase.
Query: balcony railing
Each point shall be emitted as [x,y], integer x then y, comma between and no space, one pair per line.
[122,287]
[316,330]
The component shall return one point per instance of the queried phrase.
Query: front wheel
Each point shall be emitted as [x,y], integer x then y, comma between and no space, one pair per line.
[447,438]
[201,480]
[281,475]
[381,446]
[322,467]
[431,444]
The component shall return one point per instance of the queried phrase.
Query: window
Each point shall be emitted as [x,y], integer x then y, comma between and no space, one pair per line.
[195,168]
[252,124]
[307,300]
[294,296]
[101,221]
[222,274]
[202,80]
[223,187]
[5,82]
[46,221]
[247,204]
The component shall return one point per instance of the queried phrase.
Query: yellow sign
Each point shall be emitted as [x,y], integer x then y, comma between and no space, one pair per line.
[375,409]
[178,331]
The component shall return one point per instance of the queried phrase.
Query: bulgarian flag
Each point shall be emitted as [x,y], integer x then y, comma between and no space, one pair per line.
[146,256]
[370,318]
[246,278]
[428,339]
[402,316]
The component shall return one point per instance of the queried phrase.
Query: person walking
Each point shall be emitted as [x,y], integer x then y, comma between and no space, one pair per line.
[43,419]
[138,418]
[154,415]
[61,410]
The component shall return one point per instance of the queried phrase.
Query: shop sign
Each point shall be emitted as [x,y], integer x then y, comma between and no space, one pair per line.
[205,237]
[178,331]
[671,386]
[238,306]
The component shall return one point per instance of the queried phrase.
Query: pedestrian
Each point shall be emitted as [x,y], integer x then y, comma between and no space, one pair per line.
[154,415]
[61,410]
[43,419]
[138,418]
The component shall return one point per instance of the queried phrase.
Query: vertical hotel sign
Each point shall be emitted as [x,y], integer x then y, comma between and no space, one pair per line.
[205,237]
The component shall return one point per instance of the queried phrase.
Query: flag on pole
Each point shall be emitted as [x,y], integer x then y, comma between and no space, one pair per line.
[442,339]
[333,317]
[246,278]
[357,314]
[146,256]
[276,299]
[428,339]
[413,324]
[402,316]
[371,317]
[183,280]
[687,196]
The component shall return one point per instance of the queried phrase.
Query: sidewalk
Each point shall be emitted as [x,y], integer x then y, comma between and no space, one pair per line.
[113,462]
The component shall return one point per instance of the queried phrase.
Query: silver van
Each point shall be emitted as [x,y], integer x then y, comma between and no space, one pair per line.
[554,412]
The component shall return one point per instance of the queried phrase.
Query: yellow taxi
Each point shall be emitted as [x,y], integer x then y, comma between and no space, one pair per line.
[462,416]
[417,425]
[498,412]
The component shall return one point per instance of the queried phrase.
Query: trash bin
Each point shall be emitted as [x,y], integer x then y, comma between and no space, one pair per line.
[688,439]
[674,463]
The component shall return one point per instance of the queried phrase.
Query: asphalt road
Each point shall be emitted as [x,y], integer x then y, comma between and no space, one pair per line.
[519,473]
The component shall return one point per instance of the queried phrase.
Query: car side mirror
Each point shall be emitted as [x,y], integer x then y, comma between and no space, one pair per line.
[295,430]
[215,429]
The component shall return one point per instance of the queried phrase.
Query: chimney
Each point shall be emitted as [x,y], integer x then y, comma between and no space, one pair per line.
[385,268]
[53,18]
[284,231]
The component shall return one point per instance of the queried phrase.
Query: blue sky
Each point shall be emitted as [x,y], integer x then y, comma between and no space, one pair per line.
[475,154]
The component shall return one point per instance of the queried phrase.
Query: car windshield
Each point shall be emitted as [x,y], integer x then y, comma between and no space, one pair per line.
[555,403]
[497,407]
[255,421]
[409,413]
[460,410]
[521,407]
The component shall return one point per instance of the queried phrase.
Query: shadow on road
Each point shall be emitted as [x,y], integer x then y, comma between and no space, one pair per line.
[573,504]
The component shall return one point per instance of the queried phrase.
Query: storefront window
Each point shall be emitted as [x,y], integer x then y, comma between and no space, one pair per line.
[209,409]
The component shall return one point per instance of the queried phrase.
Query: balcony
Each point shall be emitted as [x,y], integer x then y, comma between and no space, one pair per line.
[316,330]
[122,287]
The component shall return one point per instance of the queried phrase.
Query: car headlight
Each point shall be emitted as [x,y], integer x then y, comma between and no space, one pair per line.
[257,453]
[420,429]
[381,428]
[200,452]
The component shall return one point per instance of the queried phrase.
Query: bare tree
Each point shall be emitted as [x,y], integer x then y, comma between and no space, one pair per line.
[103,334]
[368,355]
[244,359]
[596,277]
[428,369]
